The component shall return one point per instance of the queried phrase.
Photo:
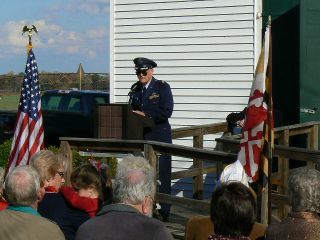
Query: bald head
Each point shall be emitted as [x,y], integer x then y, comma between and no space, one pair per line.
[22,186]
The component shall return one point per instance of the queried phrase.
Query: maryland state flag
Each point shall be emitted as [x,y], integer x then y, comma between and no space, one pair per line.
[253,143]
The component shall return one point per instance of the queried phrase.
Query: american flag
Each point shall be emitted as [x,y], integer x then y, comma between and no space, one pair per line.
[28,135]
[253,142]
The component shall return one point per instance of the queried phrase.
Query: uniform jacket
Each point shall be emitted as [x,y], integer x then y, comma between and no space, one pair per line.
[121,222]
[18,225]
[157,104]
[56,208]
[297,226]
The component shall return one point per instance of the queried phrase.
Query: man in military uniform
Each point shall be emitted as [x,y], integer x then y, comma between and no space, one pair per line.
[153,98]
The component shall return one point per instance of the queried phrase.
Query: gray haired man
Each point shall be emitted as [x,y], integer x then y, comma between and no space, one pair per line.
[129,217]
[304,194]
[21,219]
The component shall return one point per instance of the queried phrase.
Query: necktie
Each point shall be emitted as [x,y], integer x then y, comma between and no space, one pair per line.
[144,91]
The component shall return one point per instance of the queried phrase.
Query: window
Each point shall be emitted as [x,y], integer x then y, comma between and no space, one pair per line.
[100,100]
[51,103]
[74,105]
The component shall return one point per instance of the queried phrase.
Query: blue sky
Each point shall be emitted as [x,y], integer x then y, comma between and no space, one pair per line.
[70,32]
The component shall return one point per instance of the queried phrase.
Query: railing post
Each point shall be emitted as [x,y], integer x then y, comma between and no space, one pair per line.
[283,168]
[198,180]
[151,156]
[313,142]
[67,152]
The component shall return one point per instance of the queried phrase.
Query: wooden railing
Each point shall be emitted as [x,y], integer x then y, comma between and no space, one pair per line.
[284,155]
[198,133]
[152,150]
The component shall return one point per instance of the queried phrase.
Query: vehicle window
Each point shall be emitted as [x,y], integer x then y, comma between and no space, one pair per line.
[51,103]
[74,105]
[100,100]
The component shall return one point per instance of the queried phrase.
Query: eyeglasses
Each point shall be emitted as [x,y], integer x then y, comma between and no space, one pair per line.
[144,72]
[61,174]
[152,199]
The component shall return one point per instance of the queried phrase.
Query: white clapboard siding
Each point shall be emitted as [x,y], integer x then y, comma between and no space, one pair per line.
[199,77]
[205,49]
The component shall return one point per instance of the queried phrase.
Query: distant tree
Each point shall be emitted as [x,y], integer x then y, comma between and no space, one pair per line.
[11,73]
[95,78]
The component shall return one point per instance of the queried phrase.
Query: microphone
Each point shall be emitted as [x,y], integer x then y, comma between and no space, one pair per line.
[136,86]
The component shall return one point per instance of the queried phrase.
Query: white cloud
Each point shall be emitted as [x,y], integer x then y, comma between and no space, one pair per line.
[92,54]
[53,38]
[11,34]
[94,7]
[72,49]
[97,33]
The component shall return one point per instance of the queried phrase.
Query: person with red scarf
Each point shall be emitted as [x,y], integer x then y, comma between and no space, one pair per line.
[53,205]
[3,202]
[86,193]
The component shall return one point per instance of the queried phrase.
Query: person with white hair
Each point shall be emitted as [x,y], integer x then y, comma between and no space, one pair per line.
[130,216]
[21,220]
[303,222]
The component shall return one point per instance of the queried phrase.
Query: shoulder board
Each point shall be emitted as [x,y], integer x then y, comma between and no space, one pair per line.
[161,82]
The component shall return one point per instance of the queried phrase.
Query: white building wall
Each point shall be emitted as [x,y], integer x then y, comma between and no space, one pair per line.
[205,49]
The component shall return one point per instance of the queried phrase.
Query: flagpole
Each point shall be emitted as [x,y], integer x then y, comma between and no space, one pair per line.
[270,124]
[266,209]
[28,132]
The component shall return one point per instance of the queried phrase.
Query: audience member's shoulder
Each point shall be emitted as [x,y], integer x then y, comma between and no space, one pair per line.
[34,226]
[50,229]
[50,203]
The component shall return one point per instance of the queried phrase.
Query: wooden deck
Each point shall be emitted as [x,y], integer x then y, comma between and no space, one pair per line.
[178,219]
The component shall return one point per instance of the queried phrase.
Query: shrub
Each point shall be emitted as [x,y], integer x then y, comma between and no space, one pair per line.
[76,161]
[5,149]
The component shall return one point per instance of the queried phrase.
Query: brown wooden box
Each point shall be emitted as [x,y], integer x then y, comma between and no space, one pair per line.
[118,121]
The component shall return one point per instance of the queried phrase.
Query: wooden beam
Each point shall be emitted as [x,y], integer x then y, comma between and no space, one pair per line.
[301,154]
[198,164]
[199,206]
[199,130]
[280,198]
[192,172]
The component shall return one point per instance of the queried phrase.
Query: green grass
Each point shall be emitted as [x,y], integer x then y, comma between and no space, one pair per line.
[9,102]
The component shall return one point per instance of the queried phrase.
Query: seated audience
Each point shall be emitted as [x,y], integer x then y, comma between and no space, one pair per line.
[304,195]
[51,170]
[21,220]
[130,216]
[105,177]
[107,184]
[3,201]
[65,207]
[233,211]
[200,227]
[86,193]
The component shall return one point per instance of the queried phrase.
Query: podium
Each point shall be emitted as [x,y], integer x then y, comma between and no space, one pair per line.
[118,121]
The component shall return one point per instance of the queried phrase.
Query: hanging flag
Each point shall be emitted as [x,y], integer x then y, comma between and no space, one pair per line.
[256,118]
[28,134]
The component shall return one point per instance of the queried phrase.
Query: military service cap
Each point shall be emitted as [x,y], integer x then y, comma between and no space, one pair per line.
[144,63]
